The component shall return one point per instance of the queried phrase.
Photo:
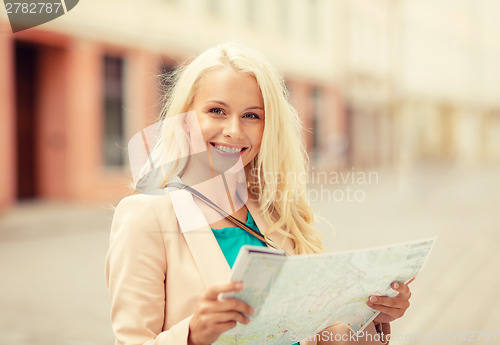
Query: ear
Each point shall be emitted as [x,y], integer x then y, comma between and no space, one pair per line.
[185,125]
[192,127]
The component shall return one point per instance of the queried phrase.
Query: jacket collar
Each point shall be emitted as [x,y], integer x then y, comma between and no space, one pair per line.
[201,241]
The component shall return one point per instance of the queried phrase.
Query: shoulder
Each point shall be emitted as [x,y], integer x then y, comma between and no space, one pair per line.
[146,201]
[144,210]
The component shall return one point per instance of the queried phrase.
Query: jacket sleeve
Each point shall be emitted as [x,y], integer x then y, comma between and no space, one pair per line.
[135,274]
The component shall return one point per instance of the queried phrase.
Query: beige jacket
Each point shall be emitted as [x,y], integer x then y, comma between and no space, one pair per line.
[156,272]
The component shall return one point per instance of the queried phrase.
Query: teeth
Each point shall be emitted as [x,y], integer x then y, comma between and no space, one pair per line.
[227,149]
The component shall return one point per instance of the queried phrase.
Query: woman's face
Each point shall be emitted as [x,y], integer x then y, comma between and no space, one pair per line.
[230,112]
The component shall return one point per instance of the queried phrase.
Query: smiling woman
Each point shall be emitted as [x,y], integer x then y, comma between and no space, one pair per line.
[238,88]
[169,259]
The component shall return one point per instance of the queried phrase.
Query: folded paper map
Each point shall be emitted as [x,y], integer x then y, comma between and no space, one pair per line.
[304,294]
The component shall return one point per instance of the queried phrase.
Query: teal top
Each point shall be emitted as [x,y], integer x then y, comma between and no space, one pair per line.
[232,238]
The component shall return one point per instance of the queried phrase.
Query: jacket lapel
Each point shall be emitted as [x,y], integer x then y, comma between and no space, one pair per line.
[200,239]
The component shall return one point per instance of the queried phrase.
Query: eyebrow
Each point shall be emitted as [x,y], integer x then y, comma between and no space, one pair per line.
[226,105]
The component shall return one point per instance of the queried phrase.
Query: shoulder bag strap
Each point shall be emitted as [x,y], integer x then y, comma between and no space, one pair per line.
[223,213]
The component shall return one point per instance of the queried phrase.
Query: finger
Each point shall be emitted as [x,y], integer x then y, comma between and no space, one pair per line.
[231,304]
[402,289]
[225,326]
[392,312]
[213,292]
[211,332]
[391,302]
[225,317]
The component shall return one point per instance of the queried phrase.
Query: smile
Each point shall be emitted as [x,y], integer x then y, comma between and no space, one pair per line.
[228,149]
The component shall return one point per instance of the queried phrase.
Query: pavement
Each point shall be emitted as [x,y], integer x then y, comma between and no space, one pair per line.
[52,254]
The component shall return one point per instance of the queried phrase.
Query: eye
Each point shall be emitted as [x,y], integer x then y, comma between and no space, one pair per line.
[216,111]
[251,116]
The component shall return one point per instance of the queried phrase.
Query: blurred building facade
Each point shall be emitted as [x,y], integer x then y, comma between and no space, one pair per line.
[74,90]
[376,82]
[421,80]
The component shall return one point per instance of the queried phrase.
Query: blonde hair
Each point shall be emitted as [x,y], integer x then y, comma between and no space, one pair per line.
[275,173]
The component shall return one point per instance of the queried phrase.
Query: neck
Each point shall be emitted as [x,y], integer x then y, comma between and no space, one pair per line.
[227,190]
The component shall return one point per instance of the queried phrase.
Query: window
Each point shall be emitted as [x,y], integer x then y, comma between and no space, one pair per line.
[283,16]
[313,20]
[316,121]
[251,12]
[214,7]
[114,138]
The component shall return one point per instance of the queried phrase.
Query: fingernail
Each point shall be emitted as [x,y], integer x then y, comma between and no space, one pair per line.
[251,312]
[396,285]
[373,299]
[238,285]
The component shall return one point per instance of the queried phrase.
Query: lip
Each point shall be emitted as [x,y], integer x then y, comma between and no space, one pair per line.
[228,145]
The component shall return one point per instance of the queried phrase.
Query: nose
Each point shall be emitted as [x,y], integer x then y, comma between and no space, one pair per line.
[232,127]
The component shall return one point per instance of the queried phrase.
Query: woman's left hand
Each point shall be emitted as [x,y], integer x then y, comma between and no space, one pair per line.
[391,308]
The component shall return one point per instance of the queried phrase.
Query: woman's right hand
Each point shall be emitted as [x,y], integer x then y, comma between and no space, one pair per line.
[214,316]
